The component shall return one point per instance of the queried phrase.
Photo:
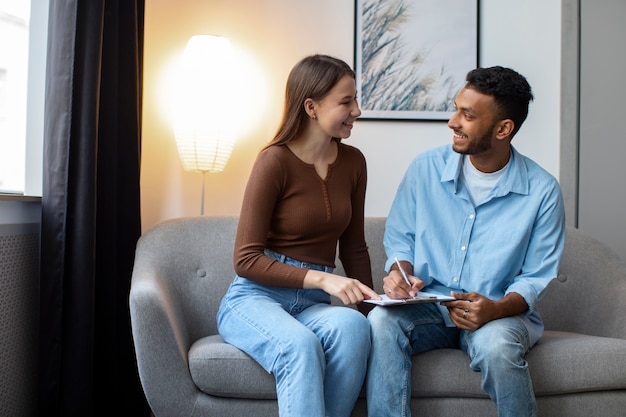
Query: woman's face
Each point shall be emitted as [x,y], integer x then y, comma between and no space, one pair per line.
[338,110]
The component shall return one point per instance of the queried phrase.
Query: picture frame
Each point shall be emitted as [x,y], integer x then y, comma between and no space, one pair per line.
[411,56]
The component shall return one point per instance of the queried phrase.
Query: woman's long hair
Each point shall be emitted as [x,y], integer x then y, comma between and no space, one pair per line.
[313,77]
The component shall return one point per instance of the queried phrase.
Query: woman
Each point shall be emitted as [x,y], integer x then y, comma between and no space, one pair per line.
[304,199]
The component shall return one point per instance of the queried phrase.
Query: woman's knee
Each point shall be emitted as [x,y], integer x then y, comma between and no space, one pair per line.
[352,325]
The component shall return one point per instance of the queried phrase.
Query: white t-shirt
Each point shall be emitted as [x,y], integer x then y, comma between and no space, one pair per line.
[478,183]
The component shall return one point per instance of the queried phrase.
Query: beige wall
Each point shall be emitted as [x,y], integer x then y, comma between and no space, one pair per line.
[272,35]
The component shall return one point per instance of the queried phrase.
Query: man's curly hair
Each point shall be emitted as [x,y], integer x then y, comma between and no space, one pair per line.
[511,91]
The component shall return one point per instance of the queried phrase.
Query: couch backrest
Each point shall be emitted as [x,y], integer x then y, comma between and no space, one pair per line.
[192,257]
[589,295]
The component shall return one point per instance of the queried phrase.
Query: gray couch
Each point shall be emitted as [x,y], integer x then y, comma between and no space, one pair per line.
[184,266]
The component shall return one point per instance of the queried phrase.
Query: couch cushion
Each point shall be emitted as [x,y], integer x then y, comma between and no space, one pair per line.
[444,373]
[564,362]
[560,363]
[220,369]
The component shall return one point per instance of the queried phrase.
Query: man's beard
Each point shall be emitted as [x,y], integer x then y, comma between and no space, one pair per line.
[476,146]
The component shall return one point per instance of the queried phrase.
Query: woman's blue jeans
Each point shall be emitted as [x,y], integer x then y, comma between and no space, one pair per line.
[496,349]
[317,352]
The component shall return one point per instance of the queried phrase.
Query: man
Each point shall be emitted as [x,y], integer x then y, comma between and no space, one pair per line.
[481,222]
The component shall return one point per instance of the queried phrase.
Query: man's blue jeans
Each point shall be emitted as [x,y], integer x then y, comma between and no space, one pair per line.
[317,352]
[496,350]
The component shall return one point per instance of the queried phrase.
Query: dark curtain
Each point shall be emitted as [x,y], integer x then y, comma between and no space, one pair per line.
[90,208]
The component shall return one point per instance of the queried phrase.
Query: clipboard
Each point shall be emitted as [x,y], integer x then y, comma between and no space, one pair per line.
[422,297]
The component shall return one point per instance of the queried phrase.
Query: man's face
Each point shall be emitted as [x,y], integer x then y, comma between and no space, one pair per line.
[473,123]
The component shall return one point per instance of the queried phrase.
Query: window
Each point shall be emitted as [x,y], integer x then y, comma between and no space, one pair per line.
[22,88]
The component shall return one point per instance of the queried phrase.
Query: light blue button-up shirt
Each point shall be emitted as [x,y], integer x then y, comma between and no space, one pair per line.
[511,242]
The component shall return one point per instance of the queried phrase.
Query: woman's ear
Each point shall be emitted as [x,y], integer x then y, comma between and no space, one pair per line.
[309,108]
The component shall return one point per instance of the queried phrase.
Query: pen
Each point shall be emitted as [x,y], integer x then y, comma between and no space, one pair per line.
[406,279]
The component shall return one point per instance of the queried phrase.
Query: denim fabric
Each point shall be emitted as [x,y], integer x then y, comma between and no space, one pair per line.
[317,352]
[496,350]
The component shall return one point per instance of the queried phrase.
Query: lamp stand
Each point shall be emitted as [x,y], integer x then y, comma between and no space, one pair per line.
[202,195]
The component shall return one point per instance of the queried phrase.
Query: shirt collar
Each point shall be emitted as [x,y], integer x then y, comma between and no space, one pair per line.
[514,180]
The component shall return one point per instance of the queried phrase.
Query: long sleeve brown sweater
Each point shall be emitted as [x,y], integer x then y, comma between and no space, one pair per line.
[287,207]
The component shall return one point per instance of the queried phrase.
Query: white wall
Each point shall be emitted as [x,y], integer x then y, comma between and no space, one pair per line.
[602,194]
[274,34]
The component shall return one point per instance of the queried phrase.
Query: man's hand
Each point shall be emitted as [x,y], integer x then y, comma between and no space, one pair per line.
[395,286]
[472,310]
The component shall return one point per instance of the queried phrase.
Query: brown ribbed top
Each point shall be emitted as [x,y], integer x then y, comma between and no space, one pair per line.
[287,207]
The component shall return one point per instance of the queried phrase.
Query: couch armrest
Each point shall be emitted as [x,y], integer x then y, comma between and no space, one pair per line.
[161,344]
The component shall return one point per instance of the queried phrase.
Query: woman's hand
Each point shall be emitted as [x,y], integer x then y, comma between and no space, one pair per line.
[348,290]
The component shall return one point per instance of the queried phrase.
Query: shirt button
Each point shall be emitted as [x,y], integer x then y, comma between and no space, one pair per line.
[455,279]
[463,247]
[472,216]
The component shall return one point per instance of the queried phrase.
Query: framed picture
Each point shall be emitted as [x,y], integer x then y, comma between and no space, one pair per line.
[411,56]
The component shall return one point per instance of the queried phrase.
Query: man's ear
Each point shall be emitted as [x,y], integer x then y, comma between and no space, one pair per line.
[505,128]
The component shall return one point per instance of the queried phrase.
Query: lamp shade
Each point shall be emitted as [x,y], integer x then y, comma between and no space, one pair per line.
[204,113]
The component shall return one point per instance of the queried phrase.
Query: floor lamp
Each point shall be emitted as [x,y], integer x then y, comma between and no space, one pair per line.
[203,121]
